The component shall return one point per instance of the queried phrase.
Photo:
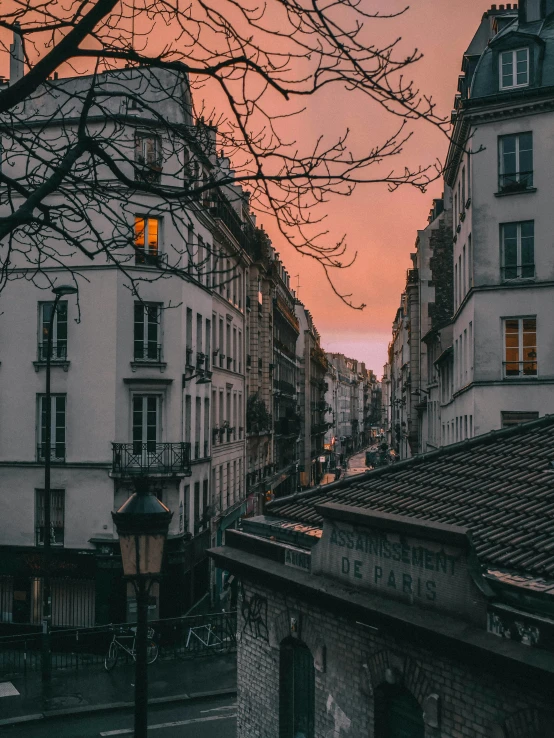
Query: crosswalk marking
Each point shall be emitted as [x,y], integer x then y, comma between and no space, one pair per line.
[175,724]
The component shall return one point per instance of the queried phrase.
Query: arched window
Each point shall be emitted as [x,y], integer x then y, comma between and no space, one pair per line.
[397,713]
[296,690]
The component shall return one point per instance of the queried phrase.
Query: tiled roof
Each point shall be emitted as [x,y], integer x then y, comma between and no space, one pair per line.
[500,486]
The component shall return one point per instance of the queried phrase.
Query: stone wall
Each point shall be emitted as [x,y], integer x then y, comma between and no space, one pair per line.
[351,660]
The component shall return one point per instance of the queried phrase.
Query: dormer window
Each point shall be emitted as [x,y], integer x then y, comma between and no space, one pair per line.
[514,68]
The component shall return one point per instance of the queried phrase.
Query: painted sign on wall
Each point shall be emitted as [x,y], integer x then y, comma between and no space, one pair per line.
[389,556]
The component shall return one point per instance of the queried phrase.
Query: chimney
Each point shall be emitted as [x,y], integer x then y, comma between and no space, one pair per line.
[16,56]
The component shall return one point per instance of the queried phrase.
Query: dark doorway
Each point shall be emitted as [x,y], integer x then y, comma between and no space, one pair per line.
[397,713]
[296,690]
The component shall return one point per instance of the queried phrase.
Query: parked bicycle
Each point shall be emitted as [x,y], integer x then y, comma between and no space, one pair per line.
[205,634]
[124,639]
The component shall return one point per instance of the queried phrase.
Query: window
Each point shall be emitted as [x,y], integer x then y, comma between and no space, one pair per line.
[455,211]
[57,515]
[147,240]
[520,341]
[57,428]
[518,250]
[515,162]
[147,346]
[148,160]
[206,427]
[146,423]
[59,331]
[205,499]
[511,417]
[196,506]
[228,487]
[197,427]
[296,690]
[514,68]
[463,200]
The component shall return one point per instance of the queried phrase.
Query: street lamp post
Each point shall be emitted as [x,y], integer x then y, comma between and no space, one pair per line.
[142,524]
[59,292]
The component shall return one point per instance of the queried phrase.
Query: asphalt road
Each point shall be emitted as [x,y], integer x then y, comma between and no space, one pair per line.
[214,718]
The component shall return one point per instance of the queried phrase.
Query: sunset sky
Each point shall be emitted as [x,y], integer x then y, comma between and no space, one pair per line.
[382,226]
[379,225]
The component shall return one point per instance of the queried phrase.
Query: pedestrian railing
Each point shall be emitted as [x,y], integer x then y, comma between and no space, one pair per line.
[186,637]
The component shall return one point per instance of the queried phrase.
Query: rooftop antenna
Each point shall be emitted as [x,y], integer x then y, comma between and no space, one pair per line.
[297,277]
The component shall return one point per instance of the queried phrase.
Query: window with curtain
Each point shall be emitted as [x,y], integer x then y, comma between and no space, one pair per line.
[520,346]
[147,240]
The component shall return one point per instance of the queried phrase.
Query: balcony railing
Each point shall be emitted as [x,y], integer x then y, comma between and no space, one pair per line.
[148,258]
[151,458]
[57,452]
[148,352]
[58,351]
[515,182]
[285,387]
[518,271]
[520,369]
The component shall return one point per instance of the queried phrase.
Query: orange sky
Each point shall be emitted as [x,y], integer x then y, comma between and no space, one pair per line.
[382,226]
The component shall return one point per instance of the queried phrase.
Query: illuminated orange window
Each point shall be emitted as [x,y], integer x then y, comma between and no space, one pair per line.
[147,232]
[520,341]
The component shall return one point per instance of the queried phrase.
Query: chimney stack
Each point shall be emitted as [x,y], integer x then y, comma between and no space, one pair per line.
[16,56]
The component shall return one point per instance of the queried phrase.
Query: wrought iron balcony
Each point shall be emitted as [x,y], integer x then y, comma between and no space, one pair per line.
[151,458]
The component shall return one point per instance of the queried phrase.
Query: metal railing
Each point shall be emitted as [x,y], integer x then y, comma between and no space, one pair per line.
[151,457]
[515,181]
[147,352]
[57,353]
[520,368]
[190,636]
[518,271]
[57,452]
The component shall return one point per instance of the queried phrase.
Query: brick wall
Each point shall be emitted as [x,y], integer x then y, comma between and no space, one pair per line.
[351,660]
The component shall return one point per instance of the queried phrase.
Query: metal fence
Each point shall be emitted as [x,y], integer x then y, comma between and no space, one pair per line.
[187,637]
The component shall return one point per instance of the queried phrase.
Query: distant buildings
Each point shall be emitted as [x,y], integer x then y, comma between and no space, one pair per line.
[353,399]
[472,345]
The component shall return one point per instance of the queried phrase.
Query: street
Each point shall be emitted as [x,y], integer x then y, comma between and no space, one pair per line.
[210,718]
[356,464]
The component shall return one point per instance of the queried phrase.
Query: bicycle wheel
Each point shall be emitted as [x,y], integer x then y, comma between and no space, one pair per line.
[111,657]
[151,652]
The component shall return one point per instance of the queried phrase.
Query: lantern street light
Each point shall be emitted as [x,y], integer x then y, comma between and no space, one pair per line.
[142,524]
[59,292]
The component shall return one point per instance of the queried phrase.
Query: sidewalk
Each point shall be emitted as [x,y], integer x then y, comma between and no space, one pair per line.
[92,688]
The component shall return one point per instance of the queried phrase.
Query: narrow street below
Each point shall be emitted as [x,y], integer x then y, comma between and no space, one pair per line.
[356,464]
[210,718]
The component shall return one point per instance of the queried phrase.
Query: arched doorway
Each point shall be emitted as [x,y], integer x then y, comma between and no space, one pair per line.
[296,690]
[397,713]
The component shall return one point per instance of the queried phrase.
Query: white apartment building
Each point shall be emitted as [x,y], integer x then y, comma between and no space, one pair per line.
[229,281]
[500,169]
[130,380]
